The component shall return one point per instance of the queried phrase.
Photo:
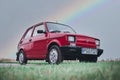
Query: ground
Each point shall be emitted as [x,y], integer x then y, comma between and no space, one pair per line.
[68,70]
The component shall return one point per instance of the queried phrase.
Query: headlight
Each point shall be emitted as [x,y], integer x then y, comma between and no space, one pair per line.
[71,38]
[97,42]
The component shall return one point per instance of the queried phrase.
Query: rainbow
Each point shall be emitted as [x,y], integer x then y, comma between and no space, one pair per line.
[77,9]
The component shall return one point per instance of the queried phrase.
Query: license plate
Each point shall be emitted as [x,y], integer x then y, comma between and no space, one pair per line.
[89,51]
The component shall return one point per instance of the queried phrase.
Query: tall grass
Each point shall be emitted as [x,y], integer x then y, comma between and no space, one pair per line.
[64,71]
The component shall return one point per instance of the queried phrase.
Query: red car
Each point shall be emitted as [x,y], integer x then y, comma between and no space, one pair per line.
[55,42]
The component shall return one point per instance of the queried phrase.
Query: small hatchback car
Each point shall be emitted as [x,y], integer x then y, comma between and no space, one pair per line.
[55,42]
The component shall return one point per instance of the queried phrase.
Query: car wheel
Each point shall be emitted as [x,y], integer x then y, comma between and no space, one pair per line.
[22,58]
[54,56]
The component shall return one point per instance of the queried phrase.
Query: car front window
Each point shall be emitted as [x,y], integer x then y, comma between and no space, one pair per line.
[56,27]
[28,34]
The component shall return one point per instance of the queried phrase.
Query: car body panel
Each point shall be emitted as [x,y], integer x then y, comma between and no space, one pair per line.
[36,47]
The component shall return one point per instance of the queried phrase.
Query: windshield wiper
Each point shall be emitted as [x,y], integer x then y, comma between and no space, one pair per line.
[66,31]
[55,31]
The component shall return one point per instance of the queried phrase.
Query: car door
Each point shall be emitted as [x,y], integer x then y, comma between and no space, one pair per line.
[26,42]
[39,42]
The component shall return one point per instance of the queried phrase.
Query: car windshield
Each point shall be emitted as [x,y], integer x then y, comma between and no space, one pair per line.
[59,28]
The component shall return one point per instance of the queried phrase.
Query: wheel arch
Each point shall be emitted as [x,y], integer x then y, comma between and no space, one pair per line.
[49,46]
[54,42]
[19,53]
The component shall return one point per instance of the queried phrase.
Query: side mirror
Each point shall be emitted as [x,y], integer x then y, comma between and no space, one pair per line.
[40,31]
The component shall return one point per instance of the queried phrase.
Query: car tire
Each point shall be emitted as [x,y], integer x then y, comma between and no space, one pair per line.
[22,59]
[54,55]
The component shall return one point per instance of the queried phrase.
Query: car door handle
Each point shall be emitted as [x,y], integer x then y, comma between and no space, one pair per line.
[30,40]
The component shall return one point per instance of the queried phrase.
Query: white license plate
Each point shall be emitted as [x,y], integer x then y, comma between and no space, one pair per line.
[89,51]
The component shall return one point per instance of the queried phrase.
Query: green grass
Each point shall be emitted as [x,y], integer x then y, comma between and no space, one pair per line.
[64,71]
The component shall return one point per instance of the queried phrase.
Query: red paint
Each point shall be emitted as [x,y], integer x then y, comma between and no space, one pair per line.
[36,47]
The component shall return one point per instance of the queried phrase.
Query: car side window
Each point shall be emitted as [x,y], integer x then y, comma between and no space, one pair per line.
[28,34]
[40,27]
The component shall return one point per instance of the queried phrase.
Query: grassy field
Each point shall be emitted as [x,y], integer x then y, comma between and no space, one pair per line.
[69,70]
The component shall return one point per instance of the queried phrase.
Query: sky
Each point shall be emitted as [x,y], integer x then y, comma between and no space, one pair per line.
[96,18]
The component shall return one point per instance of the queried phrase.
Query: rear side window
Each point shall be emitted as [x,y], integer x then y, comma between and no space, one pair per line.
[29,33]
[40,27]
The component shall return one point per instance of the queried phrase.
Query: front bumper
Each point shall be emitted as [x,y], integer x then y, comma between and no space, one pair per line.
[69,52]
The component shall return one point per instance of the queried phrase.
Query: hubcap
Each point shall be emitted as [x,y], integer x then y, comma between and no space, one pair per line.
[53,55]
[21,58]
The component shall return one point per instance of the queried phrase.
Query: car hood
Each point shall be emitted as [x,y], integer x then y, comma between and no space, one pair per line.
[78,35]
[83,40]
[69,34]
[80,40]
